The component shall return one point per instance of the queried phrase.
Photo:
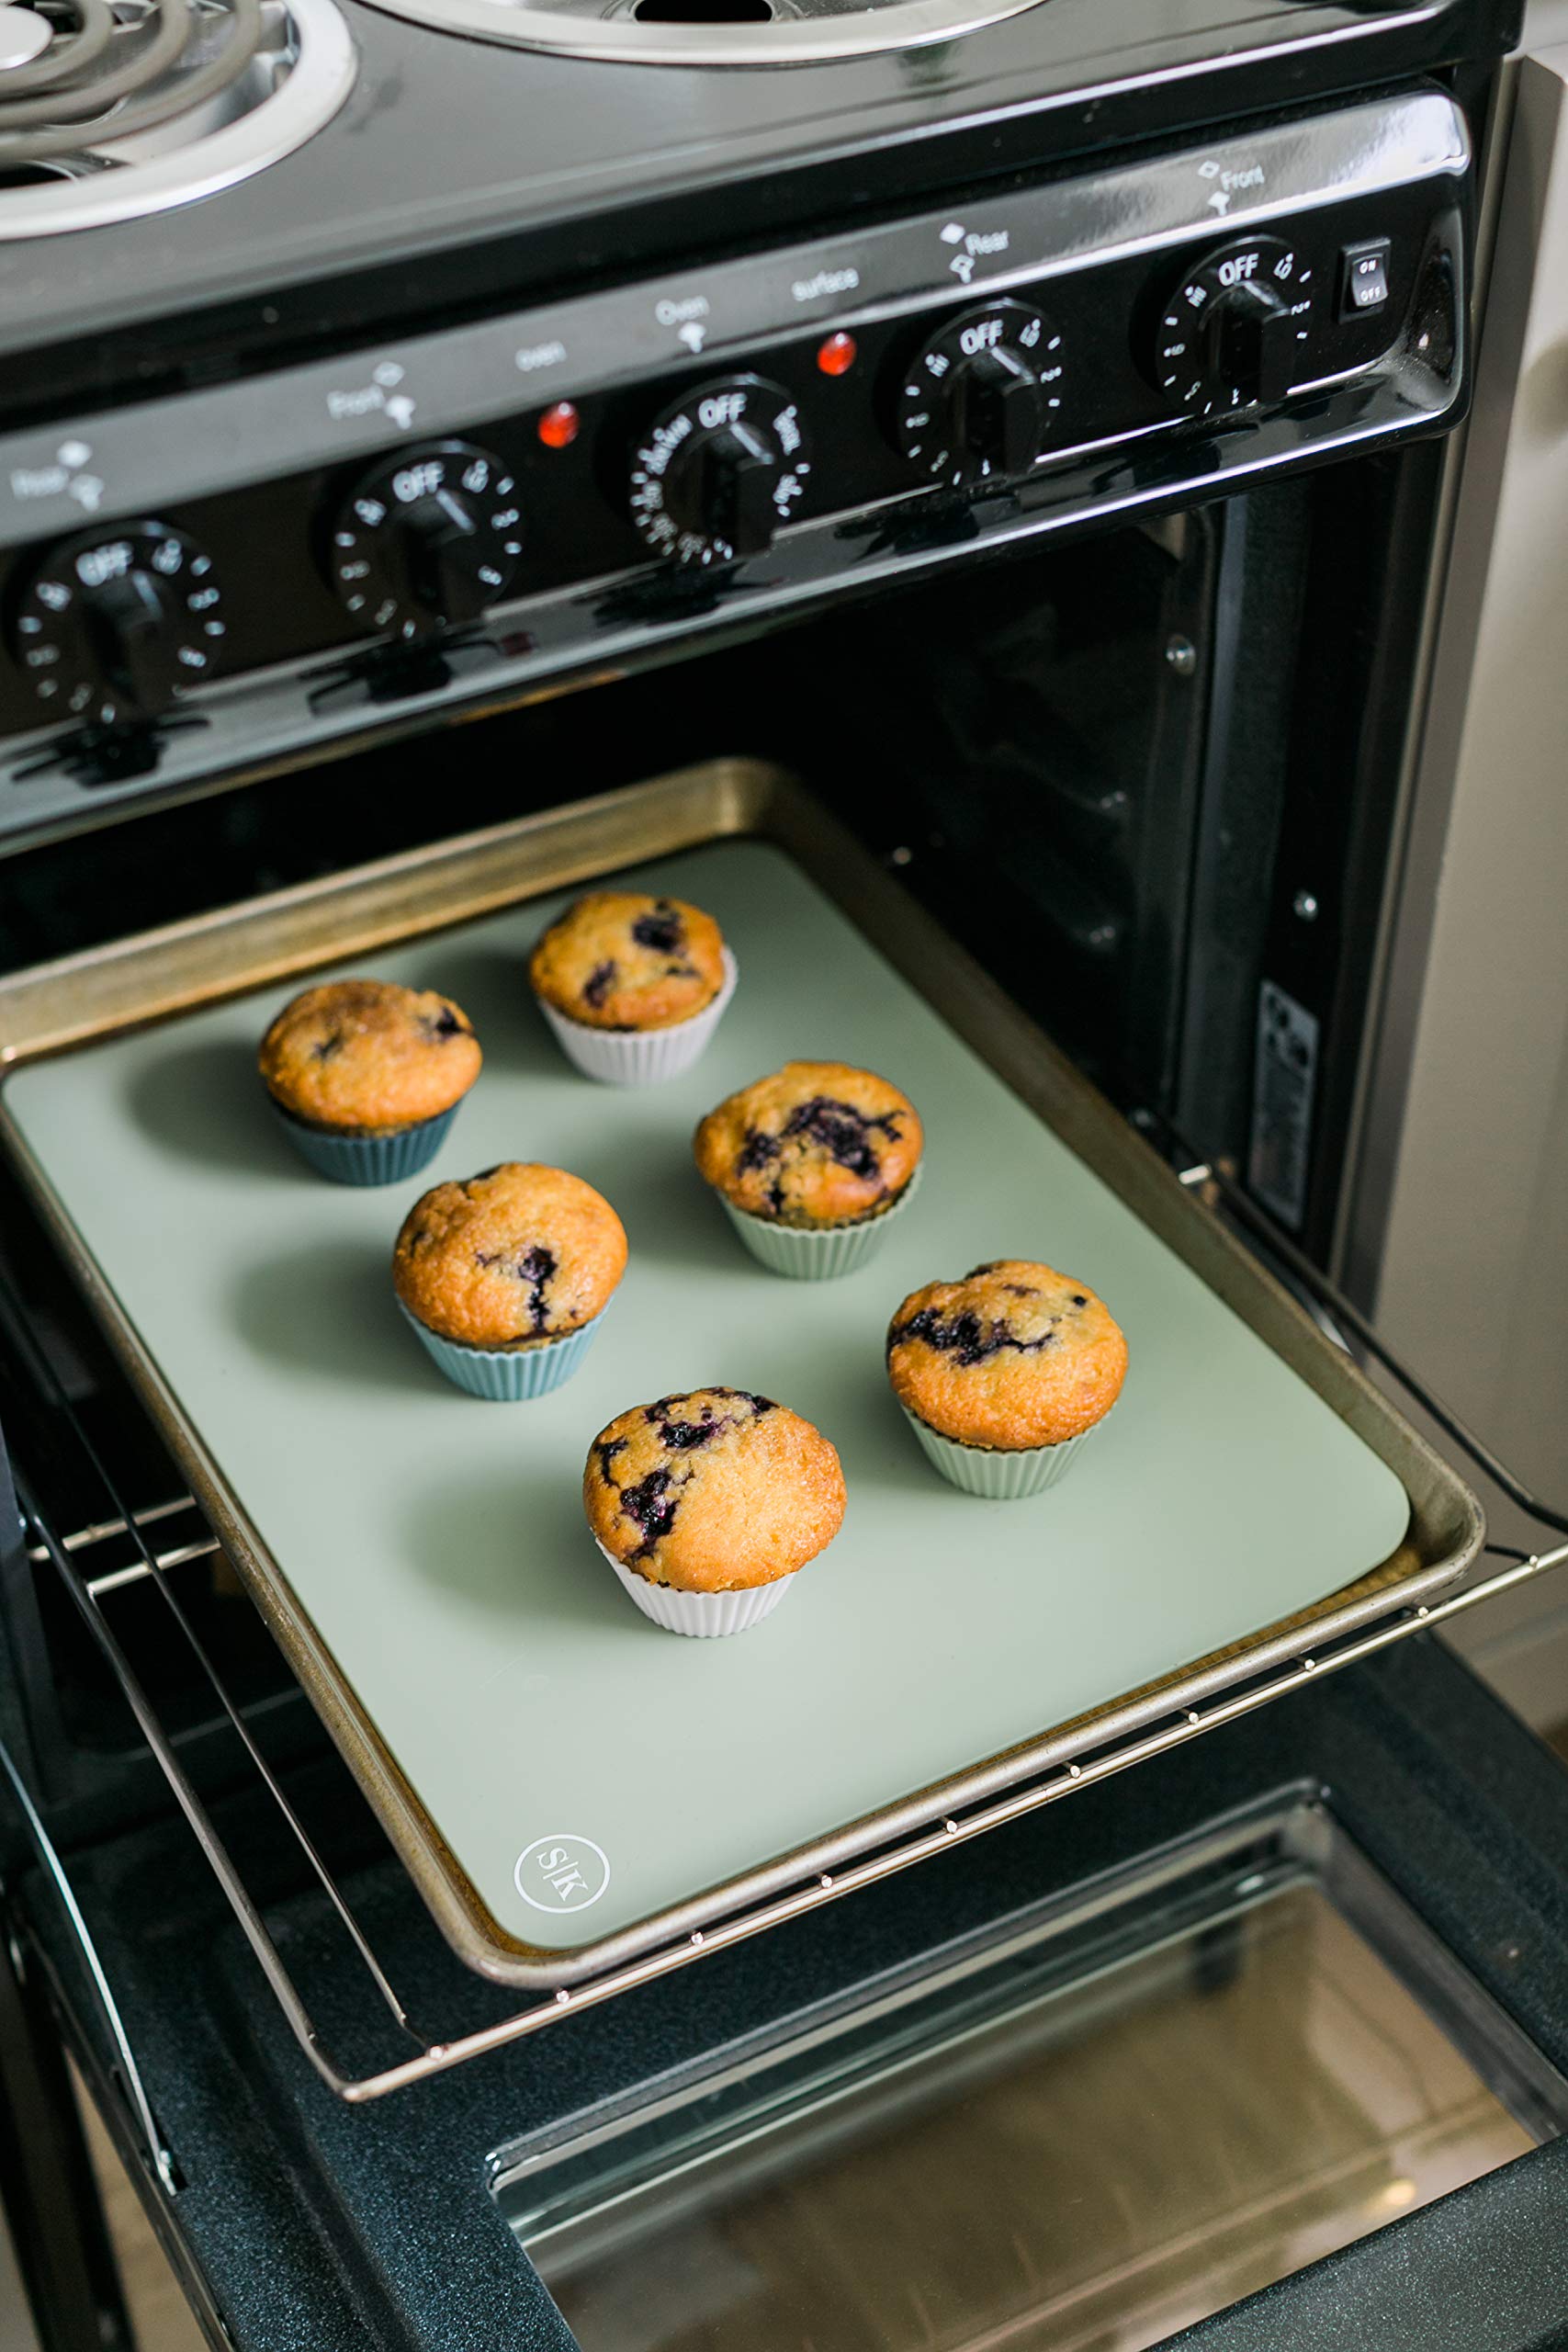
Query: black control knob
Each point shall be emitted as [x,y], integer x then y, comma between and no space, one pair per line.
[719,471]
[114,626]
[999,414]
[133,628]
[1230,337]
[441,553]
[724,481]
[430,539]
[980,399]
[1248,346]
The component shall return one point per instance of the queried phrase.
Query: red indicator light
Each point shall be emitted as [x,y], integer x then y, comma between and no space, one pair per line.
[560,426]
[837,355]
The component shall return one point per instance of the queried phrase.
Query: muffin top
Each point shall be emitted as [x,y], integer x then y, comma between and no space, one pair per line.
[512,1257]
[368,1055]
[1014,1355]
[817,1143]
[619,960]
[713,1491]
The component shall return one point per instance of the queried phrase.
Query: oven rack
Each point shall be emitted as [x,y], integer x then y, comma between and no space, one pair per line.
[65,1554]
[88,1563]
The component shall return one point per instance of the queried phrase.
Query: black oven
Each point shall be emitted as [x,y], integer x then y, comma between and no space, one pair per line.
[1032,444]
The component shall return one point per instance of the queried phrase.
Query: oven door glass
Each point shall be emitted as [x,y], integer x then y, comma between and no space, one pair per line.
[1116,2120]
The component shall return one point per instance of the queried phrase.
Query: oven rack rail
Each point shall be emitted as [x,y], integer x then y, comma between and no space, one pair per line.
[67,1553]
[72,1554]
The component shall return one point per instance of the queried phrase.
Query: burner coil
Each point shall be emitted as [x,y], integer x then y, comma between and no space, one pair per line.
[112,110]
[155,67]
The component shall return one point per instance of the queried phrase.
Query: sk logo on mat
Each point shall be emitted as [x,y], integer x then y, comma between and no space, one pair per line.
[562,1872]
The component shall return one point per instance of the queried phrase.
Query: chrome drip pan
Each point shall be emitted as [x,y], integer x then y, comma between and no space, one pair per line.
[711,32]
[128,106]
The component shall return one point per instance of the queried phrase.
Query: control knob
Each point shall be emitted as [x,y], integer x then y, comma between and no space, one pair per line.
[429,539]
[1232,334]
[980,397]
[719,471]
[113,625]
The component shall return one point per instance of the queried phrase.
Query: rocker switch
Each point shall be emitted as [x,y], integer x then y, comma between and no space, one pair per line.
[1363,278]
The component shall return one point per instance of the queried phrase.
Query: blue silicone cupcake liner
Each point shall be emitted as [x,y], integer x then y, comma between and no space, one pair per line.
[508,1375]
[817,1253]
[1000,1475]
[367,1159]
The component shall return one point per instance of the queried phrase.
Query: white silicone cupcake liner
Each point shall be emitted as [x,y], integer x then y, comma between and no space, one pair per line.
[992,1470]
[367,1159]
[706,1615]
[641,1056]
[509,1375]
[819,1254]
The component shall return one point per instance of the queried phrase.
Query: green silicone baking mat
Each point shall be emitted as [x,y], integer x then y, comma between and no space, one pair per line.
[435,1545]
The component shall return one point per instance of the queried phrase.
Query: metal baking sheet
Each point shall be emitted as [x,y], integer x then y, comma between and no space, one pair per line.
[422,1554]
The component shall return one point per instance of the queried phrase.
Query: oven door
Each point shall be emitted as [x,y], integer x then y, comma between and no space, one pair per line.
[1266,2043]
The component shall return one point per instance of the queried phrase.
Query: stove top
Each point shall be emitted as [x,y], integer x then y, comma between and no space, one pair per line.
[112,109]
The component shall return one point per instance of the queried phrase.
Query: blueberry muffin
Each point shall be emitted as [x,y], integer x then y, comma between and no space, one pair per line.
[622,960]
[504,1277]
[707,1504]
[367,1075]
[513,1257]
[1002,1372]
[364,1056]
[816,1144]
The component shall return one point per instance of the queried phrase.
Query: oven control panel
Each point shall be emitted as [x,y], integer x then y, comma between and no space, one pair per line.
[197,584]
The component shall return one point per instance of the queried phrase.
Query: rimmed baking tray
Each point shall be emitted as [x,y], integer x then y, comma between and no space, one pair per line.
[570,1787]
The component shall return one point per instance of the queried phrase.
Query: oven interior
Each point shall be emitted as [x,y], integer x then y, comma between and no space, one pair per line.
[1136,770]
[1137,774]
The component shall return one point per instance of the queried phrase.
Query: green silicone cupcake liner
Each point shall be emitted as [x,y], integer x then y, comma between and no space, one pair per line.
[817,1255]
[1000,1475]
[508,1375]
[367,1159]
